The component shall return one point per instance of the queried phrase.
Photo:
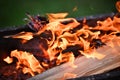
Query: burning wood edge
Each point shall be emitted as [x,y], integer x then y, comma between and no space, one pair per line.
[85,66]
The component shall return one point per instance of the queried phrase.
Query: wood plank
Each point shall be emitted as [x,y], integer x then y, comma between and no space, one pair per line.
[85,66]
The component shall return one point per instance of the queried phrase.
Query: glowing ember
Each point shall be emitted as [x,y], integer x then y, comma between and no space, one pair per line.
[66,39]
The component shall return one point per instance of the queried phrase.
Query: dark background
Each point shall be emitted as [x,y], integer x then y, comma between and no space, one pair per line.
[12,12]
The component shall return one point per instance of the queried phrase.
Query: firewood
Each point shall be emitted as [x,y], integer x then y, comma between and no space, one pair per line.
[85,66]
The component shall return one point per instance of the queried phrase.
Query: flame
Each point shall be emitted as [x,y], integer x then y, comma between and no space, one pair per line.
[64,34]
[29,62]
[8,60]
[22,35]
[93,54]
[108,24]
[54,16]
[118,5]
[69,75]
[67,57]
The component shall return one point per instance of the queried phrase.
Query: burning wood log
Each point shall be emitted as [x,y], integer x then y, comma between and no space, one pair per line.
[62,40]
[85,66]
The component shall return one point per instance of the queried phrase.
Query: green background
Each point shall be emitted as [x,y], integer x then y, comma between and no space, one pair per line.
[12,12]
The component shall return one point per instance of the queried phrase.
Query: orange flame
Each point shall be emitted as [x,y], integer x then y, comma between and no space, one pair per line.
[69,75]
[67,57]
[29,62]
[62,38]
[22,35]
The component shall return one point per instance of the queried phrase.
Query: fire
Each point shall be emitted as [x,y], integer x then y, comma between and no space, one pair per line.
[67,57]
[22,35]
[93,55]
[66,34]
[54,16]
[8,60]
[68,76]
[27,62]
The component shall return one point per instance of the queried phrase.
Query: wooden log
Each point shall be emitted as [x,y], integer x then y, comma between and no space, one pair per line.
[85,66]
